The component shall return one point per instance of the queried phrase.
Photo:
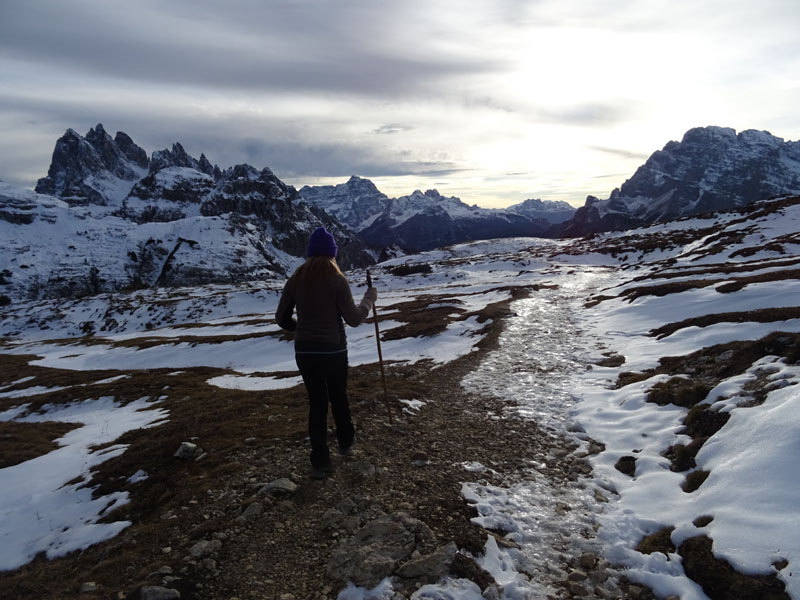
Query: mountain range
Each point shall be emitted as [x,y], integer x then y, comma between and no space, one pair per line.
[107,217]
[426,220]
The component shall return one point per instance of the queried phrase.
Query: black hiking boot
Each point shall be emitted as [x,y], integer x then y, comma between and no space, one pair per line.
[349,449]
[320,472]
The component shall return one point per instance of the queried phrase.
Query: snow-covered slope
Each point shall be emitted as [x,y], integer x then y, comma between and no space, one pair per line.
[695,397]
[711,169]
[419,221]
[108,219]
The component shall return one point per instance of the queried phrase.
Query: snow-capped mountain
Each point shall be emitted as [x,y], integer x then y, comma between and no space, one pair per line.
[356,203]
[552,211]
[419,221]
[107,218]
[711,169]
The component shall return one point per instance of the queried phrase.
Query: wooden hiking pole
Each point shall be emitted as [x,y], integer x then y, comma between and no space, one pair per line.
[380,354]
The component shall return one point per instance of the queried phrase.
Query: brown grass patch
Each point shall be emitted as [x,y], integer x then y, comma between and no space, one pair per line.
[420,320]
[20,442]
[765,315]
[694,480]
[725,268]
[705,369]
[740,282]
[611,360]
[412,269]
[629,377]
[660,541]
[720,580]
[665,289]
[679,391]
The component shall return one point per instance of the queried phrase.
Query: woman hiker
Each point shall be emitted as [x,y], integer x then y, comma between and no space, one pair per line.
[322,297]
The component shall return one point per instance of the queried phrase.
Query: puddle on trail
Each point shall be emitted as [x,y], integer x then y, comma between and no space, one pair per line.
[540,351]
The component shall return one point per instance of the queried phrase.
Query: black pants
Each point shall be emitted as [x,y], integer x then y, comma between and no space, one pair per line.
[325,376]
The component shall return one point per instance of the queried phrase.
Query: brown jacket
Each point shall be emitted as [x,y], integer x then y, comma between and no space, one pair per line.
[321,309]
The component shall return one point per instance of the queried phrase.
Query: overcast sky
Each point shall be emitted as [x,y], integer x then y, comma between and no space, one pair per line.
[493,101]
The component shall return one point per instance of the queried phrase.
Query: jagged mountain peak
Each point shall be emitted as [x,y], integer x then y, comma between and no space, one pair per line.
[176,157]
[94,169]
[710,169]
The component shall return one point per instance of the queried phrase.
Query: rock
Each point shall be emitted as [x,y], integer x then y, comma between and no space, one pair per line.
[576,589]
[377,549]
[253,510]
[429,568]
[491,593]
[162,572]
[188,451]
[465,567]
[626,465]
[279,486]
[588,560]
[598,577]
[362,470]
[153,592]
[419,459]
[332,518]
[204,548]
[88,587]
[577,575]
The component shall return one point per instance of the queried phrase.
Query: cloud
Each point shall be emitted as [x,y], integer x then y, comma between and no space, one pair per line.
[278,46]
[591,114]
[628,154]
[393,128]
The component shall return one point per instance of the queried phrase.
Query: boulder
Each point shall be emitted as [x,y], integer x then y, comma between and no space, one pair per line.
[376,550]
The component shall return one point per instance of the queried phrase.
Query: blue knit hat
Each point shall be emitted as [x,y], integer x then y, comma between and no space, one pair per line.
[321,243]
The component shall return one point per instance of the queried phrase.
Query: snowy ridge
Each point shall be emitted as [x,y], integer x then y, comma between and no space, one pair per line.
[424,220]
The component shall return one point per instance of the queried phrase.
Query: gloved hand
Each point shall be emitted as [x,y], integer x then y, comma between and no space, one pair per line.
[370,296]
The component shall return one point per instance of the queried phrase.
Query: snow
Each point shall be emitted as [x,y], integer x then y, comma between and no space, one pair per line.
[32,391]
[42,508]
[751,491]
[252,383]
[759,450]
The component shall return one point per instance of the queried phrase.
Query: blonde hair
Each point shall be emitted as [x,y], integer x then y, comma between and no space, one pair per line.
[316,269]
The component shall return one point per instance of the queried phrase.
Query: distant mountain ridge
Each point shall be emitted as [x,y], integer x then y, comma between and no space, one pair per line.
[109,218]
[710,169]
[553,211]
[426,220]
